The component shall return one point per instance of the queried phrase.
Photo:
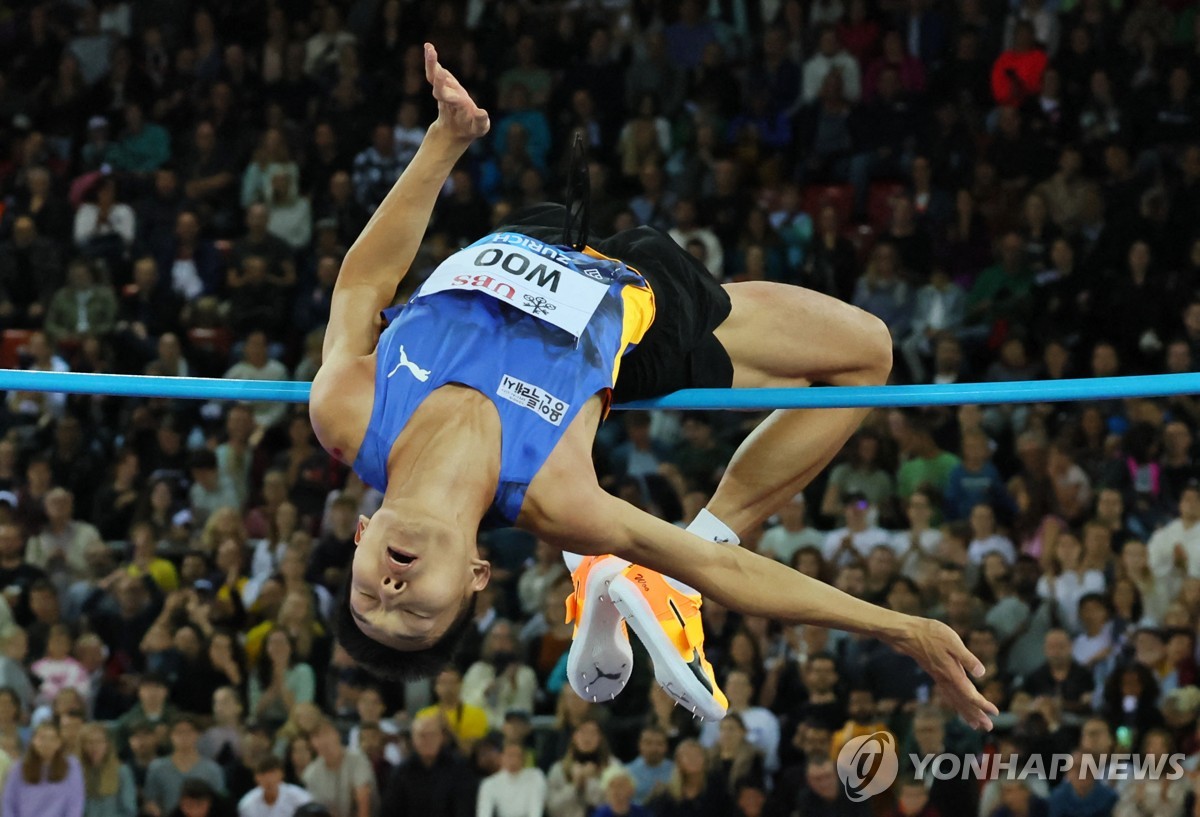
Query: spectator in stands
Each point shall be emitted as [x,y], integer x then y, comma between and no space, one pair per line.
[168,776]
[831,57]
[46,781]
[466,722]
[515,790]
[573,786]
[105,227]
[499,681]
[782,541]
[1017,72]
[341,779]
[109,785]
[376,169]
[83,307]
[59,548]
[143,147]
[652,769]
[30,271]
[271,796]
[256,364]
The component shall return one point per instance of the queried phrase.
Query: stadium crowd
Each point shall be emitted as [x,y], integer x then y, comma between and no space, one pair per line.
[1013,186]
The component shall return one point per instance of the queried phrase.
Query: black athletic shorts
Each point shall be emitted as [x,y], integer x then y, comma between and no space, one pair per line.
[679,350]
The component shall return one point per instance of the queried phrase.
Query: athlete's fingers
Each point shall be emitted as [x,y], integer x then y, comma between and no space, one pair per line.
[970,663]
[431,64]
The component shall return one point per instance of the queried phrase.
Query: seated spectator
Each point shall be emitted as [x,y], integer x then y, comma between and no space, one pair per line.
[143,147]
[47,780]
[985,538]
[859,536]
[257,303]
[1017,72]
[110,787]
[1080,794]
[341,779]
[938,307]
[168,777]
[466,722]
[190,262]
[862,472]
[256,364]
[515,790]
[927,466]
[618,796]
[105,227]
[1069,577]
[209,181]
[975,480]
[260,241]
[83,307]
[30,271]
[499,681]
[782,541]
[1061,676]
[290,215]
[145,561]
[39,200]
[198,798]
[280,681]
[573,785]
[822,793]
[376,168]
[830,58]
[651,770]
[271,796]
[59,548]
[909,70]
[759,728]
[210,488]
[883,292]
[57,669]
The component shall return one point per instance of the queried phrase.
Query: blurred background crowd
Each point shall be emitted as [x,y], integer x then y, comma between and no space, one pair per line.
[1013,186]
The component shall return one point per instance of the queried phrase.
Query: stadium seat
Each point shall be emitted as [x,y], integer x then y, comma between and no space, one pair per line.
[841,196]
[879,203]
[11,344]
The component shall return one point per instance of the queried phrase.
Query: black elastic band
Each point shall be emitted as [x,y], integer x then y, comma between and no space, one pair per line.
[578,197]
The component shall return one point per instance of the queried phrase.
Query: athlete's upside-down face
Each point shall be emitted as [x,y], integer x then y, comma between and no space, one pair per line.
[410,579]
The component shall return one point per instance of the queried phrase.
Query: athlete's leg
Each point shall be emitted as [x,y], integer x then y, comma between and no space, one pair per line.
[780,335]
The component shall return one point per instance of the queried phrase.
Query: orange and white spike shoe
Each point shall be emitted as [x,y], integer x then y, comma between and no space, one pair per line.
[601,659]
[668,623]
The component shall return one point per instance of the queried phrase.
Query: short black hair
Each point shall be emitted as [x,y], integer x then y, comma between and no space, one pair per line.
[390,664]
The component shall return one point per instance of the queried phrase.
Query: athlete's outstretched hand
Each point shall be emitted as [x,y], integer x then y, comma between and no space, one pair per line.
[457,113]
[942,654]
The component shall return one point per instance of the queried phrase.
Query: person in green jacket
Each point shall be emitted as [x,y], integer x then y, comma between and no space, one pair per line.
[1002,291]
[83,307]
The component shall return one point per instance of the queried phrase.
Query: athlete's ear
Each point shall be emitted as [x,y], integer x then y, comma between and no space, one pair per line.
[361,529]
[481,573]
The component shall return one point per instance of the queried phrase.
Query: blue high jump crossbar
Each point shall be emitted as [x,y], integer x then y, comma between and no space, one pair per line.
[1023,391]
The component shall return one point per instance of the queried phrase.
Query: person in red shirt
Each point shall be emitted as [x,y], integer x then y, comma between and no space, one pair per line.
[1017,72]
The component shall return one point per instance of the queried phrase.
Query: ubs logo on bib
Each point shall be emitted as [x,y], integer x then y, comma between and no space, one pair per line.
[868,765]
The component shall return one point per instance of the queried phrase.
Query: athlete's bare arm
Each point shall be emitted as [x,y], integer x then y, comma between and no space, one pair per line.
[566,507]
[380,258]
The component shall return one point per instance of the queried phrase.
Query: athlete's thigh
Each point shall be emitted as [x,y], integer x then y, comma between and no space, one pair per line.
[779,334]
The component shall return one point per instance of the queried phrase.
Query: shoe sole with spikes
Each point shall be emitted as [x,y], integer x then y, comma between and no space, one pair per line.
[684,681]
[601,658]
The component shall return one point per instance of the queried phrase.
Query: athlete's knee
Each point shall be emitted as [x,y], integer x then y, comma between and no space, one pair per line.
[874,342]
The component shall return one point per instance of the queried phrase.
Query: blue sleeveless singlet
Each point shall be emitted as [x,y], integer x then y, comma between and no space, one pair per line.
[536,328]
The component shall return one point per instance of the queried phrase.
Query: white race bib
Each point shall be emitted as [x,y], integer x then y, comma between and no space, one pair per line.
[533,277]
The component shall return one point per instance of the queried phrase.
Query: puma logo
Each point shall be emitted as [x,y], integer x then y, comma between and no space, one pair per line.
[608,676]
[413,369]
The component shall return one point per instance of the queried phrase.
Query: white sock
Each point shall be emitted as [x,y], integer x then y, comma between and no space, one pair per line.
[707,526]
